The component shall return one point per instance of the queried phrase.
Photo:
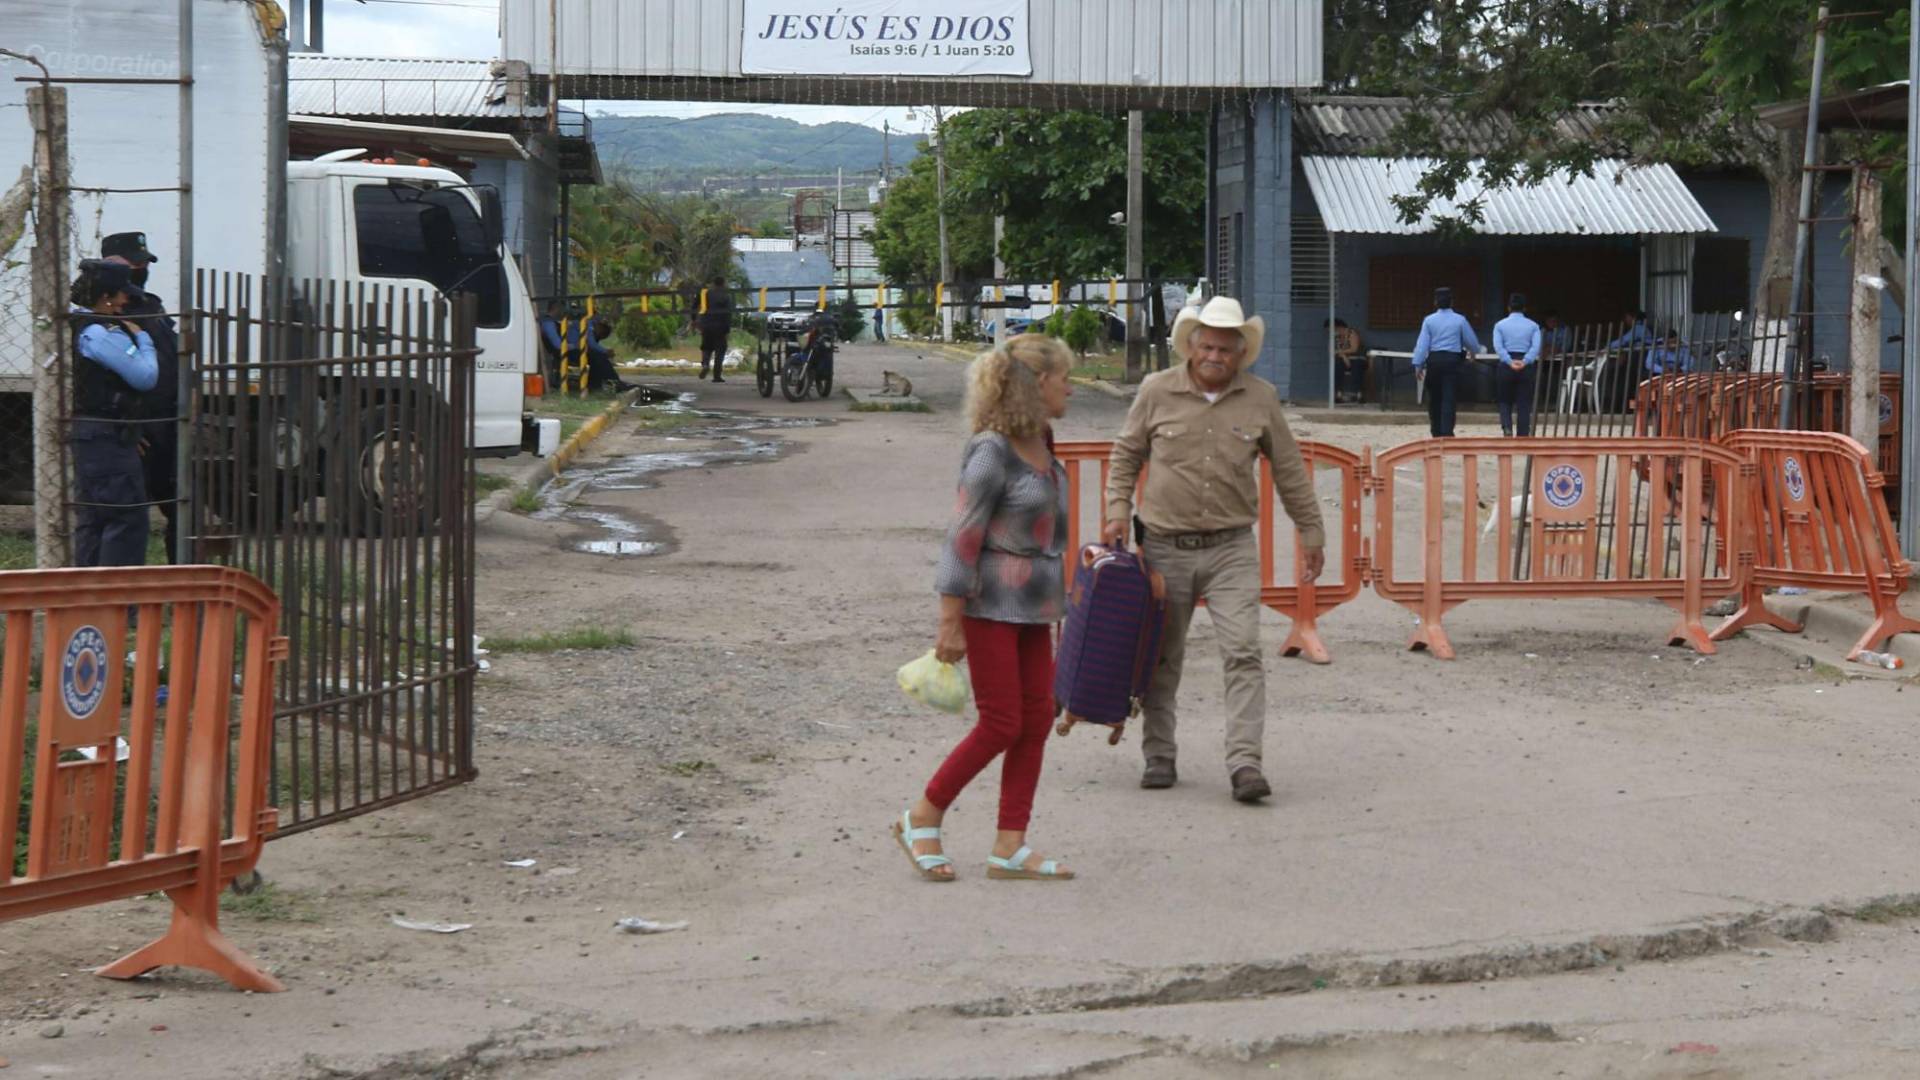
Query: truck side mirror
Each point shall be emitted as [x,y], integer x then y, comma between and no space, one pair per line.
[491,217]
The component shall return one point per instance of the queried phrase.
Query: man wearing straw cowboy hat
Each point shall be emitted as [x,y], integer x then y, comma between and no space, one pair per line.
[1202,424]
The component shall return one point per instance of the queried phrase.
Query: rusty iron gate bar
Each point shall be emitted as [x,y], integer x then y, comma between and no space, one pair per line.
[329,455]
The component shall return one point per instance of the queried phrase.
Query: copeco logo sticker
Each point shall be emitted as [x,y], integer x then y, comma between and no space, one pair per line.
[1563,486]
[1796,479]
[83,672]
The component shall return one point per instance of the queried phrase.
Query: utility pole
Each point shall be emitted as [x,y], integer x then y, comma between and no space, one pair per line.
[1863,375]
[47,108]
[1910,344]
[1800,342]
[999,233]
[886,154]
[1136,244]
[553,67]
[940,194]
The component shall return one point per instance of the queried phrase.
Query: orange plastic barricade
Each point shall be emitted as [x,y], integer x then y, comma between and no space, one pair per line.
[1087,471]
[171,834]
[1569,518]
[1815,517]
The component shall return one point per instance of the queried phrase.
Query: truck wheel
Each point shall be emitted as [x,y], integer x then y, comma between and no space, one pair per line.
[395,487]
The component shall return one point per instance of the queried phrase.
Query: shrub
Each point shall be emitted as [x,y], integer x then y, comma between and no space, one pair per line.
[849,319]
[1079,327]
[917,319]
[642,330]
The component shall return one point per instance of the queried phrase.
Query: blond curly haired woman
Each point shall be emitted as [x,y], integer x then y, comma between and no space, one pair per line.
[1002,589]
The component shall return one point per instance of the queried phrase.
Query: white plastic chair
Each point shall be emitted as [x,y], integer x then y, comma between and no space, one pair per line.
[1583,378]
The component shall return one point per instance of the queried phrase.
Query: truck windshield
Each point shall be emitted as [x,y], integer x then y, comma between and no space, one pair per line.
[433,235]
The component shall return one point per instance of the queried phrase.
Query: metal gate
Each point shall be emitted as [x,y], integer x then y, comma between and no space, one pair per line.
[330,425]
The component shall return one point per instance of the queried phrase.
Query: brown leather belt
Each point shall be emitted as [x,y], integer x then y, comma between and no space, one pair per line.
[1199,540]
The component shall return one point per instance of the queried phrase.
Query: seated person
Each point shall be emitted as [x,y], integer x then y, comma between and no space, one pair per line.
[1350,363]
[1669,357]
[600,371]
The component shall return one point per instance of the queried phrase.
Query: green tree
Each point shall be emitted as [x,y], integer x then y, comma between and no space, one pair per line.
[906,229]
[1056,176]
[1686,77]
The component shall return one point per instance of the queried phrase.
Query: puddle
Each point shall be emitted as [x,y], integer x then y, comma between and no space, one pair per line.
[562,500]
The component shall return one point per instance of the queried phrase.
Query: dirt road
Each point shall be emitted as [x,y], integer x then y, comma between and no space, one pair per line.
[1570,852]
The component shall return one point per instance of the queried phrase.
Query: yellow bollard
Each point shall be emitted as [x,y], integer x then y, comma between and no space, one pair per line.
[1113,291]
[821,304]
[763,299]
[703,301]
[646,304]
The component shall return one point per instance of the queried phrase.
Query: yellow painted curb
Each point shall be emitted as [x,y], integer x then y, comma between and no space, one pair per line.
[588,432]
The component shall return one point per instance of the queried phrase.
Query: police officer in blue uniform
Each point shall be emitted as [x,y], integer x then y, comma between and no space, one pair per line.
[160,407]
[1446,340]
[1516,349]
[113,367]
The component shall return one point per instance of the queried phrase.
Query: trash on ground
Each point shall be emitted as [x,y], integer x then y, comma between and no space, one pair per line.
[680,834]
[432,927]
[1532,655]
[633,924]
[521,864]
[1805,663]
[1792,590]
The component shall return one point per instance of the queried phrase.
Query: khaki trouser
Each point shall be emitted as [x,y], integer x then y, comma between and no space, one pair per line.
[1228,578]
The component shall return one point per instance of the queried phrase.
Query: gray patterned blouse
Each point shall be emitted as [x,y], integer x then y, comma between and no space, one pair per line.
[1009,532]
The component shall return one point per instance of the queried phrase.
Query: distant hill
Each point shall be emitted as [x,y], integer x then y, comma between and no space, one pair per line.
[740,144]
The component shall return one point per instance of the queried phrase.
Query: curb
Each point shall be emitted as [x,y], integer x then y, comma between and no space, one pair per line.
[589,431]
[1102,386]
[1835,623]
[532,476]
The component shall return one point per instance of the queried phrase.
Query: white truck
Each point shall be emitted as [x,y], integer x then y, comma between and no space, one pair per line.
[253,211]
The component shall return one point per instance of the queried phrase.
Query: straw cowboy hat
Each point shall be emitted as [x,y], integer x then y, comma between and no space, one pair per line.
[1224,313]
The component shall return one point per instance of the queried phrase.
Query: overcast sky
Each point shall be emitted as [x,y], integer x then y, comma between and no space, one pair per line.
[470,30]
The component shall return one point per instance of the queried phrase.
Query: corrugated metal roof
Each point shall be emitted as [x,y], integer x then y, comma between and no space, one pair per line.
[1362,125]
[373,87]
[798,269]
[1355,195]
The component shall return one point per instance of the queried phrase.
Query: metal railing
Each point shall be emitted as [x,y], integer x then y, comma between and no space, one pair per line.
[330,426]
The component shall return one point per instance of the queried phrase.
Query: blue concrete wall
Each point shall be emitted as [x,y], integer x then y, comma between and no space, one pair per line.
[1251,173]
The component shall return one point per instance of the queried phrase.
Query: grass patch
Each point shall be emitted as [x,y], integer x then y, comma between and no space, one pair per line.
[485,484]
[1884,910]
[1100,366]
[580,637]
[1828,671]
[571,427]
[16,550]
[649,418]
[876,406]
[270,903]
[564,405]
[690,768]
[526,500]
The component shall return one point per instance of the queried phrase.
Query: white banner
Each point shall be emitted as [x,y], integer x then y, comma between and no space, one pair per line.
[926,38]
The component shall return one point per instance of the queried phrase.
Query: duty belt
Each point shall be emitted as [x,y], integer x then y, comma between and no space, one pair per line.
[1199,540]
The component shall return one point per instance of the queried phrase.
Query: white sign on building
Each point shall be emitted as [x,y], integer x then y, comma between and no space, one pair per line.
[927,38]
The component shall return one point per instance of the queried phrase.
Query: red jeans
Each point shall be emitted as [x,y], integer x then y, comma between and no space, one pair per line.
[1012,669]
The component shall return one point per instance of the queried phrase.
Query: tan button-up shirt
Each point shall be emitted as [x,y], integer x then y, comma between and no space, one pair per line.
[1204,476]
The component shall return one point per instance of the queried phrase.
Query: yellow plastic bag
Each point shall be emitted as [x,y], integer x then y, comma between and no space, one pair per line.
[931,682]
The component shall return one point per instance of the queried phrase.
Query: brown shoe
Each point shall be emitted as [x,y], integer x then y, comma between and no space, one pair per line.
[1159,773]
[1249,786]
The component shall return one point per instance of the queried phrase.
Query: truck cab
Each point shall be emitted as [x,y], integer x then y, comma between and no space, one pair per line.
[422,227]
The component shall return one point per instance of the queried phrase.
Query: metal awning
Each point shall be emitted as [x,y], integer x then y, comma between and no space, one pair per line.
[1355,195]
[406,138]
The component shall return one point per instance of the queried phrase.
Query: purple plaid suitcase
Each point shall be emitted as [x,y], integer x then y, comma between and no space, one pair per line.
[1110,644]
